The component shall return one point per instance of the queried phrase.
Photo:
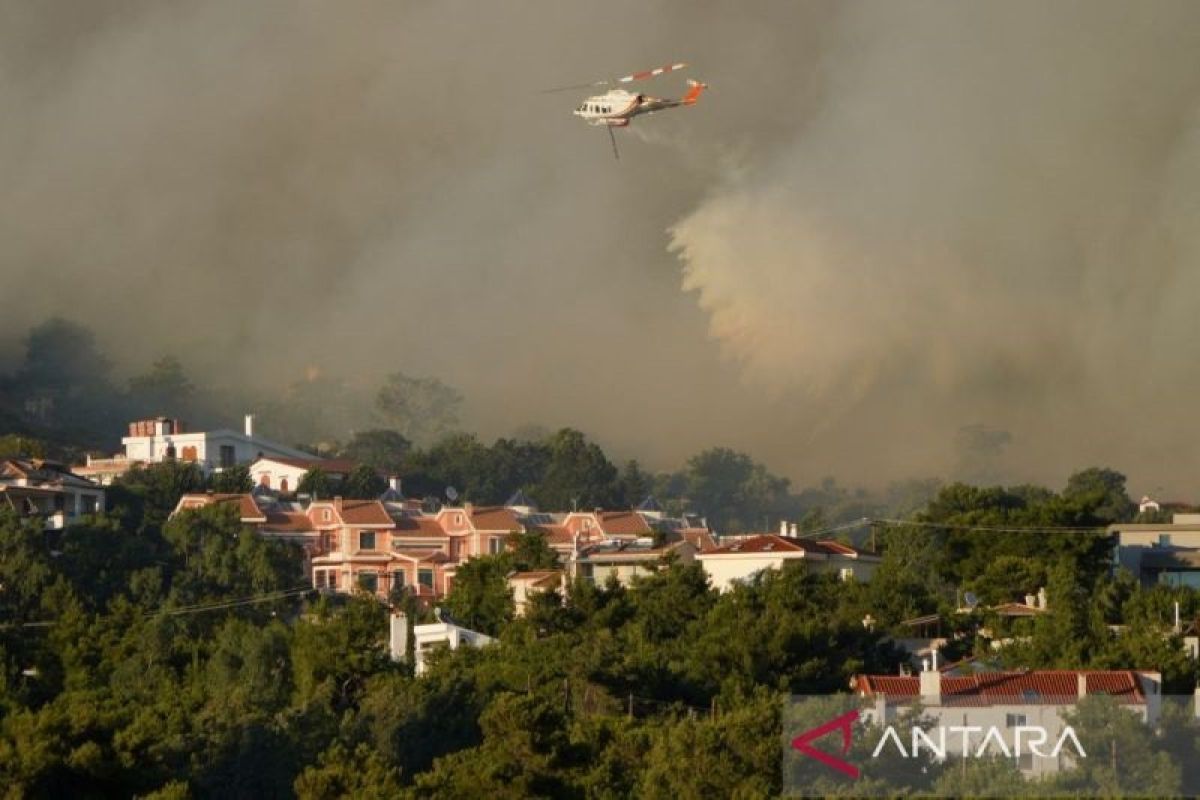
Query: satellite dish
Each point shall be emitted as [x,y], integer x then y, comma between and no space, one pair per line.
[451,493]
[971,600]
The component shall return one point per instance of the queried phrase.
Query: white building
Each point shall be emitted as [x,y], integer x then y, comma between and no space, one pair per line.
[744,558]
[151,441]
[1005,705]
[283,474]
[427,638]
[39,488]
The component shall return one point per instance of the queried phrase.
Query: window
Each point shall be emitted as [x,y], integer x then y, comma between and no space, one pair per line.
[326,514]
[425,578]
[1014,720]
[846,573]
[399,579]
[1164,540]
[495,545]
[366,540]
[319,578]
[227,456]
[189,452]
[1025,763]
[368,581]
[283,487]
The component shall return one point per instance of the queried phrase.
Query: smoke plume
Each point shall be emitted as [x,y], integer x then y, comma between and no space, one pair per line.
[883,224]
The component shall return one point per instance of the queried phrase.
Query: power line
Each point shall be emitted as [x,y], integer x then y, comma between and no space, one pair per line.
[995,528]
[194,608]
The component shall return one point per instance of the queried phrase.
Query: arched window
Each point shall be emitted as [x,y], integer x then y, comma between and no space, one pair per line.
[283,485]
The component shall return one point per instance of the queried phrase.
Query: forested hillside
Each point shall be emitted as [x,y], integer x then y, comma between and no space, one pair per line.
[188,658]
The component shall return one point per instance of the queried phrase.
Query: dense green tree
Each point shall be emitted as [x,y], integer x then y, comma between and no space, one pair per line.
[1102,493]
[578,475]
[232,480]
[420,409]
[481,599]
[386,451]
[363,483]
[152,492]
[734,492]
[635,484]
[317,483]
[14,445]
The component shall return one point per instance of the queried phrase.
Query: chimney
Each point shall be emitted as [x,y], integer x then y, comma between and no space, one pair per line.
[795,530]
[931,683]
[337,504]
[1081,684]
[394,483]
[1031,600]
[783,529]
[250,425]
[1041,598]
[398,636]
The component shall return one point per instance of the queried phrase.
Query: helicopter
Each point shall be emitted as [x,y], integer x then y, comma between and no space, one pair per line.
[617,107]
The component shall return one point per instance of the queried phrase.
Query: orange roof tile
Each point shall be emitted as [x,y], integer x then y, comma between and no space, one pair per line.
[419,526]
[495,518]
[555,534]
[623,523]
[365,512]
[1009,688]
[288,522]
[248,510]
[343,466]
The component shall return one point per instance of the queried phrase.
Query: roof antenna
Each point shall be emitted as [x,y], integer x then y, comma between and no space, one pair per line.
[613,138]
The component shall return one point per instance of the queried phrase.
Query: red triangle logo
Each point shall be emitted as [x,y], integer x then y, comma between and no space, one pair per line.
[844,723]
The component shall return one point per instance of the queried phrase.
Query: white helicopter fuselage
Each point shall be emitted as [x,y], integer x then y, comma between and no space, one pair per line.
[614,108]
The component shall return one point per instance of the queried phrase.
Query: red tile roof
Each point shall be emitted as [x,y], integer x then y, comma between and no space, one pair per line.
[495,518]
[248,510]
[765,543]
[343,466]
[418,526]
[1008,688]
[623,523]
[365,512]
[288,522]
[356,512]
[555,534]
[773,542]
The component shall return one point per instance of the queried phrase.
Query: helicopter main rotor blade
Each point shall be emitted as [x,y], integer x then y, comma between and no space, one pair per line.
[651,73]
[636,76]
[613,137]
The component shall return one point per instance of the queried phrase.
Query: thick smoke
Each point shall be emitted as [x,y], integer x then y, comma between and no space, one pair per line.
[990,217]
[894,220]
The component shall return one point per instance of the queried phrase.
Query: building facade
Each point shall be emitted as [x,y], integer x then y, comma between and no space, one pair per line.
[742,559]
[48,491]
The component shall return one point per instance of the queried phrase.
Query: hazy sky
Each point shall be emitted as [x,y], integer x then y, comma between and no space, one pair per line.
[884,222]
